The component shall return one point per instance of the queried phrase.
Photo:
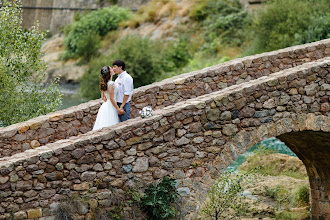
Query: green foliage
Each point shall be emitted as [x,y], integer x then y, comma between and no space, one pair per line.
[225,195]
[319,29]
[157,199]
[300,195]
[146,60]
[143,58]
[290,215]
[279,193]
[177,56]
[264,163]
[98,22]
[23,92]
[88,45]
[285,23]
[199,10]
[223,23]
[285,198]
[90,80]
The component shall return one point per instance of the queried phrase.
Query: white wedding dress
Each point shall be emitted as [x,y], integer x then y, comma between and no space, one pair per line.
[107,114]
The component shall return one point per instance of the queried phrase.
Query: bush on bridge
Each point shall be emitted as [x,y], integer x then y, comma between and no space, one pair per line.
[24,94]
[96,23]
[157,199]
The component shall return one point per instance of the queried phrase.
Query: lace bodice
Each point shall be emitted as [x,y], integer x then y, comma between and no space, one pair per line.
[115,90]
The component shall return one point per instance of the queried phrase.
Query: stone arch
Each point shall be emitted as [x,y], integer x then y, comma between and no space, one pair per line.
[308,136]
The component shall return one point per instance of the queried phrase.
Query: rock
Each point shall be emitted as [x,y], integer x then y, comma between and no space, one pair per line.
[118,155]
[77,153]
[325,87]
[117,182]
[213,114]
[128,160]
[20,137]
[131,152]
[20,215]
[183,191]
[81,207]
[35,144]
[226,115]
[141,165]
[34,213]
[3,179]
[82,186]
[182,141]
[97,167]
[325,107]
[88,176]
[198,140]
[229,129]
[127,168]
[269,104]
[108,166]
[46,194]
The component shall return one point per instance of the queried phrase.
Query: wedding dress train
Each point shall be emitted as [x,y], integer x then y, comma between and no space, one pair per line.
[107,114]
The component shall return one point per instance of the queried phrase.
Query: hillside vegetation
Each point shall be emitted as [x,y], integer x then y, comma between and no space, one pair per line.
[165,37]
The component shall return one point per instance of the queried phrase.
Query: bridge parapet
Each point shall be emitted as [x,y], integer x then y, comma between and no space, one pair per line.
[192,141]
[79,119]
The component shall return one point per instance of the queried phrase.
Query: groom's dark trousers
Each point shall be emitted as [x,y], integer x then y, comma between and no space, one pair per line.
[127,109]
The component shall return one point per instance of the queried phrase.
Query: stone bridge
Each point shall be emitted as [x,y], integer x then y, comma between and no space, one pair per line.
[203,121]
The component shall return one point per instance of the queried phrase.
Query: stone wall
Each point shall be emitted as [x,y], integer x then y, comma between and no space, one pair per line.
[54,14]
[80,119]
[192,141]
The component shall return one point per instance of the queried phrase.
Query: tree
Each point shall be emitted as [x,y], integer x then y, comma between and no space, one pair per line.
[225,199]
[24,94]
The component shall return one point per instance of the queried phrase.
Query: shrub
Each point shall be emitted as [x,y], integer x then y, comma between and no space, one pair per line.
[157,199]
[300,195]
[23,93]
[222,23]
[227,194]
[88,45]
[318,29]
[65,211]
[143,57]
[151,12]
[98,22]
[285,23]
[178,55]
[90,80]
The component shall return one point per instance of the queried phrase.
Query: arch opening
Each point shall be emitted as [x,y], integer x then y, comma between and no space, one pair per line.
[313,148]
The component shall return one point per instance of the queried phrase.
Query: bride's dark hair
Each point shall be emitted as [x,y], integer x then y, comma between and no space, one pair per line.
[105,77]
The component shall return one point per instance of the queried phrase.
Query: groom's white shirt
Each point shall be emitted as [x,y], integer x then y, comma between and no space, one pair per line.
[124,84]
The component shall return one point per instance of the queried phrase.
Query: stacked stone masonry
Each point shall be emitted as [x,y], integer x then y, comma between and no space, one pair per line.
[192,141]
[79,120]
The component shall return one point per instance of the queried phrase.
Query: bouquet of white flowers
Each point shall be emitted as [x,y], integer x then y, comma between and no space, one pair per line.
[146,112]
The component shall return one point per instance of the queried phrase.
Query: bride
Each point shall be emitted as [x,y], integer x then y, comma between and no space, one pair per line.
[108,112]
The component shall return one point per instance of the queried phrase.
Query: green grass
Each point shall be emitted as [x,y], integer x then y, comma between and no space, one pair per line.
[266,162]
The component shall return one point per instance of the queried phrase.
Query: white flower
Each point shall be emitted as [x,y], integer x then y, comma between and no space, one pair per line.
[146,112]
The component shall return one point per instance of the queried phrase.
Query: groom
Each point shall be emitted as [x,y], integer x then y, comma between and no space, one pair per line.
[124,83]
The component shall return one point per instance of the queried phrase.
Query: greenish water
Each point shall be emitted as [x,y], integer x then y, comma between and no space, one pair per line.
[71,96]
[271,143]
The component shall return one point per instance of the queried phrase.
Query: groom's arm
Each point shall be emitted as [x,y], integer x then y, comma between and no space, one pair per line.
[124,101]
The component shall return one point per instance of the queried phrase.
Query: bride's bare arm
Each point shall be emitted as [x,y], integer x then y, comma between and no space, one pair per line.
[103,96]
[112,99]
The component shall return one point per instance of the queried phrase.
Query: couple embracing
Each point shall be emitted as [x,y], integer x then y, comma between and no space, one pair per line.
[115,94]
